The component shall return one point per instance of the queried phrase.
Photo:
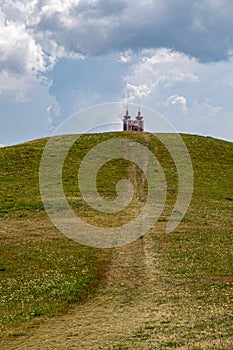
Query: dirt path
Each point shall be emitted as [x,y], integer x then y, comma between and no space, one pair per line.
[121,305]
[137,308]
[127,300]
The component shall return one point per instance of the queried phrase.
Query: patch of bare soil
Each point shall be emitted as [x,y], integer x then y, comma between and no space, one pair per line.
[119,307]
[135,308]
[138,307]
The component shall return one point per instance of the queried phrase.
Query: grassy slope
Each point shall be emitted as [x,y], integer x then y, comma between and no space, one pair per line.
[198,260]
[198,253]
[42,272]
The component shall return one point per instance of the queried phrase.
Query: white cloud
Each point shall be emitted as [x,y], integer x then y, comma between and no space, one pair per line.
[156,49]
[35,34]
[126,57]
[140,91]
[194,96]
[176,100]
[158,70]
[53,111]
[10,82]
[21,58]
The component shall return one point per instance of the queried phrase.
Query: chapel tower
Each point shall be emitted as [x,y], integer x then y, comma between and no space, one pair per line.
[130,124]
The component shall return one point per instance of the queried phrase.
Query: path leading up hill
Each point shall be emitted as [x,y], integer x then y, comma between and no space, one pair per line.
[122,304]
[162,291]
[135,308]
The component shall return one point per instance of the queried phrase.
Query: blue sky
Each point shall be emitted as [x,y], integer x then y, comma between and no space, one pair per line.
[58,57]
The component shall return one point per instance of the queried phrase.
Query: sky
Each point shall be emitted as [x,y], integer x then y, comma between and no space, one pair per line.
[60,57]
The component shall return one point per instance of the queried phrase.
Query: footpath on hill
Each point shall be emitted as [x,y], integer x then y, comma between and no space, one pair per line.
[136,307]
[121,305]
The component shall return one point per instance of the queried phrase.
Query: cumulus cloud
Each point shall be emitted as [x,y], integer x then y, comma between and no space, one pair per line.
[21,58]
[202,29]
[194,96]
[176,100]
[35,34]
[159,70]
[126,57]
[174,56]
[140,91]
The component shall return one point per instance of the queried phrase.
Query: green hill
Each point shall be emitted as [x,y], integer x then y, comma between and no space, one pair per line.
[42,272]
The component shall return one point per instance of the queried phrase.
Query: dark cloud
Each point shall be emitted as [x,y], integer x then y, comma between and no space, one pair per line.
[101,8]
[203,29]
[34,35]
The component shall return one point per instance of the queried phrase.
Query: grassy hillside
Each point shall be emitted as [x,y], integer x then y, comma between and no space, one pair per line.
[42,272]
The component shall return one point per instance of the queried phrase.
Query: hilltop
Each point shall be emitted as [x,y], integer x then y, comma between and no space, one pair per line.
[163,291]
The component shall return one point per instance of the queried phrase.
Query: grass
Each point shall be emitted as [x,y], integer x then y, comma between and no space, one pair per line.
[40,276]
[201,251]
[198,257]
[42,272]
